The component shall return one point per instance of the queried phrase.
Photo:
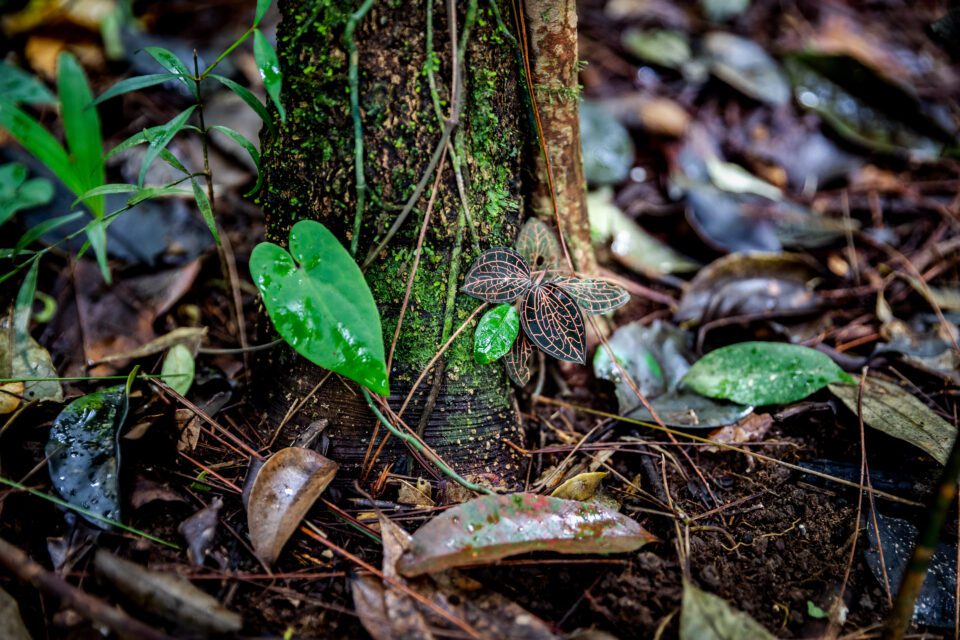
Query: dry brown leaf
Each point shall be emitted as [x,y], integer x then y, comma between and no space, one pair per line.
[419,495]
[582,486]
[10,397]
[285,488]
[189,336]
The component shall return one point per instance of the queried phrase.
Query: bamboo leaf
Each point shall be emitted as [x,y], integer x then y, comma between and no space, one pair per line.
[169,61]
[135,83]
[41,144]
[269,66]
[206,210]
[262,6]
[244,94]
[81,125]
[16,85]
[163,135]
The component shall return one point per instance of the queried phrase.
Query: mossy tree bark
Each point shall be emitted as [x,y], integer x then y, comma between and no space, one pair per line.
[309,174]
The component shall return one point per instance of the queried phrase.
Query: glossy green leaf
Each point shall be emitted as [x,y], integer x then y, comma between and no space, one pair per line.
[763,373]
[704,616]
[178,368]
[269,66]
[495,333]
[169,61]
[41,144]
[83,454]
[321,305]
[18,193]
[492,527]
[262,6]
[81,125]
[16,85]
[892,410]
[244,94]
[206,210]
[38,230]
[160,137]
[135,83]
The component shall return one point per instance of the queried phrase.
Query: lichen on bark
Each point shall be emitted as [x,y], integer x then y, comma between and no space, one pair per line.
[309,173]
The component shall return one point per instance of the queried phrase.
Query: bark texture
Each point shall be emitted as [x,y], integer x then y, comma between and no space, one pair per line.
[309,173]
[554,60]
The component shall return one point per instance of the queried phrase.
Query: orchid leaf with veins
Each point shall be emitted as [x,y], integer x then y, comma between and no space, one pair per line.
[550,299]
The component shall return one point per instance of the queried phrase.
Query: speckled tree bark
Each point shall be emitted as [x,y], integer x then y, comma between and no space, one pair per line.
[309,173]
[552,28]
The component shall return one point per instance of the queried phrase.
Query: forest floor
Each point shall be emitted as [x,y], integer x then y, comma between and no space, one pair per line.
[816,136]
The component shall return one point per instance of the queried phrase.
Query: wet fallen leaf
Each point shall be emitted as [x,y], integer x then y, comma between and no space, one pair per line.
[662,47]
[200,529]
[11,624]
[704,616]
[493,527]
[890,409]
[733,178]
[935,606]
[369,605]
[406,620]
[630,244]
[167,595]
[192,337]
[763,373]
[83,454]
[581,487]
[750,284]
[727,222]
[607,147]
[744,65]
[285,488]
[178,369]
[656,358]
[26,358]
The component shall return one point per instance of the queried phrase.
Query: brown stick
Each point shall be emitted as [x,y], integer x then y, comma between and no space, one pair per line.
[83,603]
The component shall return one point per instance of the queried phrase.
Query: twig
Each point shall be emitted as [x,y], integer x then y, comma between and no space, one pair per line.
[83,603]
[353,76]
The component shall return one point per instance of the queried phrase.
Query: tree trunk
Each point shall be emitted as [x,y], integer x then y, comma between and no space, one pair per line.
[309,173]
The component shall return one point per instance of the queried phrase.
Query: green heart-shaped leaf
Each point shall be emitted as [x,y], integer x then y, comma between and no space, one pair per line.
[495,333]
[763,373]
[321,305]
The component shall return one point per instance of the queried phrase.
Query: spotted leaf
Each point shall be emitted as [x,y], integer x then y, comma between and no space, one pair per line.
[519,361]
[552,321]
[538,245]
[498,275]
[594,296]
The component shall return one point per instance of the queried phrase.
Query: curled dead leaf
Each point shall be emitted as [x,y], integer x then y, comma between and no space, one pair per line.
[582,486]
[284,489]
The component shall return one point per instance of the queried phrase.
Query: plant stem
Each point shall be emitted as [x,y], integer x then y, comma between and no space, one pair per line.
[916,571]
[228,51]
[413,442]
[353,76]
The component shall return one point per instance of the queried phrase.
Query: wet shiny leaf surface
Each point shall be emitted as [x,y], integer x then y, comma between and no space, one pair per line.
[496,333]
[489,528]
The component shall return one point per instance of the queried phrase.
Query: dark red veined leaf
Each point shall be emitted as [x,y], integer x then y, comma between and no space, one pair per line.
[498,275]
[552,321]
[519,361]
[538,245]
[594,296]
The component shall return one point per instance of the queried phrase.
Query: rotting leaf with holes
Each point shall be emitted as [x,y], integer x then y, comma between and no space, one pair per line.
[704,616]
[890,409]
[83,453]
[656,358]
[538,245]
[496,333]
[284,489]
[763,373]
[321,305]
[492,527]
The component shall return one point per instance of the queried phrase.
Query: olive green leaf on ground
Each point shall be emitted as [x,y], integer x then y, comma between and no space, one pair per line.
[890,409]
[83,454]
[169,596]
[495,333]
[321,305]
[178,368]
[285,488]
[704,616]
[763,373]
[492,527]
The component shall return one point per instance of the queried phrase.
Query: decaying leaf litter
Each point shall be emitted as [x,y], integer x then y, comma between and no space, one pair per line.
[774,187]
